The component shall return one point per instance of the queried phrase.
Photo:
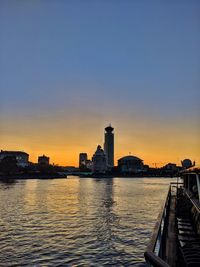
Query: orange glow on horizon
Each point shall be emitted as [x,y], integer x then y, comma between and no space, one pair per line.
[152,141]
[153,154]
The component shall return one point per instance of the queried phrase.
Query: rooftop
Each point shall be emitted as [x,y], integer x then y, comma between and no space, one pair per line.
[130,158]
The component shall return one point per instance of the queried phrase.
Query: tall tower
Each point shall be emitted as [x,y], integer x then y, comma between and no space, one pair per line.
[82,159]
[109,145]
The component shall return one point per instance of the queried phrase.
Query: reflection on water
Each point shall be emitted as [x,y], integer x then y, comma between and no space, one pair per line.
[7,183]
[74,222]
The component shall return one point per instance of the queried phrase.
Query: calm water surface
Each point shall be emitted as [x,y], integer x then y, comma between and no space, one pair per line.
[78,222]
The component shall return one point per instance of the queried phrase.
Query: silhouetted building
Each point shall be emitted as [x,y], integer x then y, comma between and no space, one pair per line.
[99,161]
[70,169]
[146,167]
[187,163]
[20,156]
[82,159]
[130,164]
[43,160]
[89,164]
[109,146]
[171,167]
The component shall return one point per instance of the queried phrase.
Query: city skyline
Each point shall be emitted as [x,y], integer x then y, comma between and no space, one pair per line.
[69,69]
[85,153]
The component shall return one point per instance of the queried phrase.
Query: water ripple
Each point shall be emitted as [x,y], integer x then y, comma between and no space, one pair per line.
[78,222]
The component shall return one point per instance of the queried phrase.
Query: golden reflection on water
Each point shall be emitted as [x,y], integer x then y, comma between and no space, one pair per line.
[78,221]
[30,191]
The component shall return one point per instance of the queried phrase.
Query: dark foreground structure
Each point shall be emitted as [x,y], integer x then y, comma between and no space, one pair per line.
[175,240]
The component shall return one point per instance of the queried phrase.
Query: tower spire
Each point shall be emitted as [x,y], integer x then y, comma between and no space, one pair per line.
[109,145]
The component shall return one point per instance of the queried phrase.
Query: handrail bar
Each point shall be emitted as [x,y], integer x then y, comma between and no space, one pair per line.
[194,203]
[179,183]
[155,260]
[153,256]
[153,239]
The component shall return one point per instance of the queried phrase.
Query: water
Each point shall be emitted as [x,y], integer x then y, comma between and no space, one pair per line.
[78,221]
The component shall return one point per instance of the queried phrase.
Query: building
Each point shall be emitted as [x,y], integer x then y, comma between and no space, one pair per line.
[89,164]
[82,159]
[99,161]
[130,164]
[43,160]
[70,169]
[21,157]
[109,146]
[171,167]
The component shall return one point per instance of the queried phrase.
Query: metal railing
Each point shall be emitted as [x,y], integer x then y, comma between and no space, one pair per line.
[156,249]
[193,201]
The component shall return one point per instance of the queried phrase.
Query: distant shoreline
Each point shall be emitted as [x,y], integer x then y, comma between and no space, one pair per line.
[64,176]
[33,176]
[120,175]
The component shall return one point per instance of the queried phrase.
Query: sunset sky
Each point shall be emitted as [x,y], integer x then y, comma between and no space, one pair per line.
[69,68]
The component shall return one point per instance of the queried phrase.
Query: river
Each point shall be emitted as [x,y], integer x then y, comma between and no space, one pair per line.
[78,221]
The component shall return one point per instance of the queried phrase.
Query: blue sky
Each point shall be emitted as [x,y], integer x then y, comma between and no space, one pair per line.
[73,64]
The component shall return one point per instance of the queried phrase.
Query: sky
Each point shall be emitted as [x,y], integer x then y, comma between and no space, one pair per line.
[69,68]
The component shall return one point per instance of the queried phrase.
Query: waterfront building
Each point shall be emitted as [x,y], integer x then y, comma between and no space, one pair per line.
[20,156]
[171,167]
[146,168]
[130,164]
[99,161]
[109,146]
[82,159]
[70,169]
[43,160]
[89,164]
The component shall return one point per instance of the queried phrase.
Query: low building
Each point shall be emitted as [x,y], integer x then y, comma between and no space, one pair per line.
[146,168]
[89,164]
[20,156]
[171,167]
[130,164]
[70,169]
[99,161]
[43,160]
